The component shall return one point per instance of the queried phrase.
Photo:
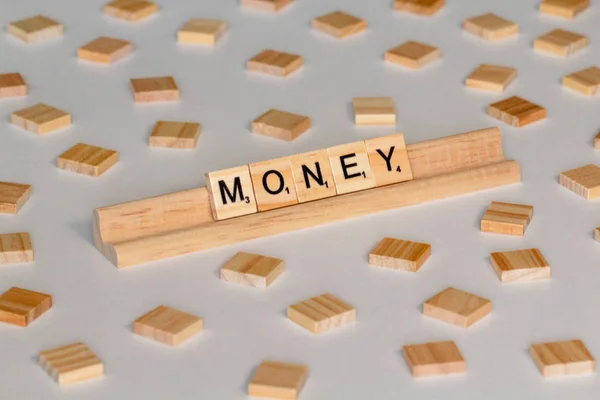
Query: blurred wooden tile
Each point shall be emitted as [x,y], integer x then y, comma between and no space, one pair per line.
[597,141]
[569,357]
[231,193]
[421,7]
[273,184]
[71,364]
[351,167]
[130,10]
[13,196]
[21,307]
[40,119]
[560,42]
[321,314]
[586,81]
[506,218]
[87,160]
[281,125]
[168,326]
[490,27]
[252,270]
[266,5]
[175,135]
[374,111]
[339,24]
[313,176]
[201,31]
[15,248]
[161,88]
[457,307]
[35,29]
[413,55]
[597,234]
[583,181]
[276,63]
[389,159]
[104,50]
[520,265]
[516,111]
[491,77]
[399,254]
[435,358]
[568,9]
[12,85]
[276,380]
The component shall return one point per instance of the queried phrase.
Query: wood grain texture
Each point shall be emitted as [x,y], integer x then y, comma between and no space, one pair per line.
[389,159]
[276,63]
[399,254]
[351,167]
[21,306]
[493,78]
[35,29]
[273,184]
[277,380]
[506,218]
[15,248]
[322,313]
[516,111]
[266,5]
[434,358]
[560,42]
[161,88]
[374,111]
[281,125]
[420,7]
[490,27]
[130,10]
[13,197]
[339,24]
[583,181]
[413,55]
[168,325]
[567,9]
[12,85]
[586,81]
[569,357]
[201,31]
[252,270]
[231,192]
[520,265]
[457,307]
[313,176]
[40,119]
[175,135]
[104,50]
[71,364]
[87,160]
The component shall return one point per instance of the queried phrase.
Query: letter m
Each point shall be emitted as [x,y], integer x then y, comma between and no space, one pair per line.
[226,193]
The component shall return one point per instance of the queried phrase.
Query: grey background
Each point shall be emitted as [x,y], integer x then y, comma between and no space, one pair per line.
[96,303]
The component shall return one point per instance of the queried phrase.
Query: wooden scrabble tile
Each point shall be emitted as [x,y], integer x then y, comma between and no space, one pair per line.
[322,313]
[374,111]
[413,55]
[15,248]
[568,9]
[421,7]
[35,29]
[569,357]
[506,218]
[21,307]
[40,119]
[104,50]
[313,176]
[399,254]
[560,43]
[276,380]
[597,141]
[434,358]
[231,193]
[491,77]
[71,364]
[272,62]
[252,270]
[520,265]
[457,307]
[130,10]
[154,89]
[273,184]
[12,85]
[266,5]
[339,24]
[389,159]
[516,111]
[490,27]
[13,196]
[87,160]
[281,125]
[597,234]
[201,31]
[351,167]
[586,81]
[175,135]
[168,326]
[583,181]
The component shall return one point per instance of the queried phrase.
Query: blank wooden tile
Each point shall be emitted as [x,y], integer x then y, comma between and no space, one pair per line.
[583,181]
[457,307]
[130,10]
[491,77]
[15,248]
[87,160]
[40,119]
[104,50]
[266,5]
[154,89]
[277,380]
[389,159]
[167,325]
[490,27]
[201,31]
[12,85]
[586,81]
[351,167]
[560,42]
[516,111]
[281,125]
[276,63]
[421,7]
[35,29]
[374,111]
[434,358]
[597,141]
[339,24]
[13,197]
[568,9]
[399,254]
[413,55]
[231,193]
[569,357]
[175,135]
[520,265]
[322,313]
[71,364]
[506,218]
[21,307]
[313,176]
[273,184]
[252,270]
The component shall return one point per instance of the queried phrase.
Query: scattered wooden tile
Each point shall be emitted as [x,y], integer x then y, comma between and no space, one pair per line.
[266,5]
[586,81]
[272,62]
[130,10]
[175,135]
[201,31]
[252,270]
[71,364]
[568,9]
[231,193]
[516,111]
[374,111]
[597,234]
[520,265]
[322,313]
[490,27]
[560,42]
[21,307]
[281,125]
[154,89]
[104,50]
[597,141]
[13,197]
[40,119]
[276,380]
[389,159]
[35,29]
[421,7]
[491,77]
[273,184]
[168,325]
[583,181]
[569,357]
[313,176]
[413,55]
[12,85]
[399,254]
[434,358]
[15,248]
[506,218]
[339,24]
[457,307]
[351,167]
[87,160]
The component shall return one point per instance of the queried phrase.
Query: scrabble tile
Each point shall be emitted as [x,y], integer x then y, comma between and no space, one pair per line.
[104,50]
[597,234]
[413,55]
[281,125]
[40,119]
[175,135]
[568,9]
[491,77]
[586,81]
[21,307]
[560,43]
[71,364]
[313,176]
[339,24]
[15,248]
[399,254]
[434,358]
[276,63]
[321,314]
[266,5]
[167,325]
[516,111]
[273,184]
[13,197]
[201,31]
[87,160]
[130,10]
[421,7]
[520,265]
[154,89]
[490,27]
[35,29]
[252,270]
[457,307]
[231,193]
[351,167]
[583,181]
[389,159]
[276,380]
[12,85]
[569,357]
[506,218]
[597,141]
[374,111]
